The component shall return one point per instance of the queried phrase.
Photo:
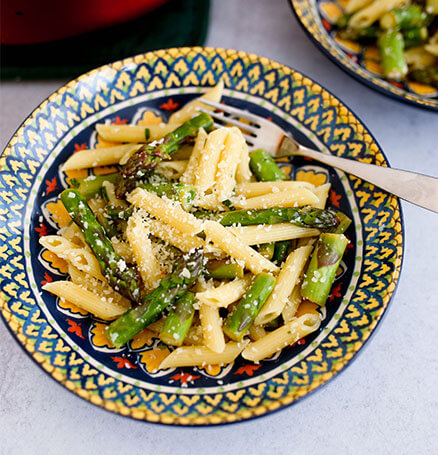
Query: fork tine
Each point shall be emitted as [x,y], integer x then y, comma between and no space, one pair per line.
[224,119]
[233,111]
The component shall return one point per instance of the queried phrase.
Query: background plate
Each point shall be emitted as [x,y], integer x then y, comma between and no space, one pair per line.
[69,345]
[313,16]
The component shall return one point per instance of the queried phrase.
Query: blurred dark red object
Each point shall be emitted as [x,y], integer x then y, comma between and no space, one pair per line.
[38,21]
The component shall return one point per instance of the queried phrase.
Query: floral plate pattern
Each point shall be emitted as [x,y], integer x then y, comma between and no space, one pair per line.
[70,345]
[317,18]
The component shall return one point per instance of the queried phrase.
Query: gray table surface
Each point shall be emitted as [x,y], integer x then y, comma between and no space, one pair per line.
[384,403]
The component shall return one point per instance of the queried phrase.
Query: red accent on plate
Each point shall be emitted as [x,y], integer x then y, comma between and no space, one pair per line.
[120,121]
[334,198]
[397,84]
[326,24]
[124,363]
[184,377]
[47,279]
[352,57]
[75,328]
[80,147]
[248,369]
[52,185]
[169,105]
[336,292]
[41,229]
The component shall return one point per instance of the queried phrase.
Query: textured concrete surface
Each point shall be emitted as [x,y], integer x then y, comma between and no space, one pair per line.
[384,403]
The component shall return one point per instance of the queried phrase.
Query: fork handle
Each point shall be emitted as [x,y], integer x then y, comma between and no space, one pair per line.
[419,189]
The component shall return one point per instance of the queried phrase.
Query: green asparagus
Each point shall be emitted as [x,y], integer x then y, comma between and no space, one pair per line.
[415,36]
[243,315]
[362,35]
[119,213]
[304,217]
[176,191]
[178,321]
[281,251]
[391,46]
[120,276]
[344,223]
[220,270]
[90,186]
[321,272]
[403,18]
[427,75]
[147,157]
[264,167]
[267,250]
[171,287]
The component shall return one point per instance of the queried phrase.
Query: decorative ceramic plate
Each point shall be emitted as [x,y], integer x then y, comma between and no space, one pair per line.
[362,62]
[70,345]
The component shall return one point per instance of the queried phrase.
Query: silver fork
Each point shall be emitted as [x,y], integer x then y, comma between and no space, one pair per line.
[419,189]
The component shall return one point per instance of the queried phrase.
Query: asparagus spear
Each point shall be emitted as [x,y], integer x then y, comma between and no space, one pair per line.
[119,213]
[281,251]
[114,268]
[391,46]
[176,191]
[267,250]
[178,321]
[343,20]
[344,223]
[403,18]
[172,286]
[91,185]
[220,270]
[415,36]
[427,75]
[244,313]
[322,268]
[304,217]
[264,167]
[147,157]
[363,35]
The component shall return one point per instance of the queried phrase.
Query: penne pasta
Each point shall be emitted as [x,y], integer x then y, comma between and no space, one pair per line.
[98,157]
[84,299]
[134,133]
[225,240]
[372,12]
[191,109]
[296,197]
[286,281]
[188,176]
[280,338]
[211,324]
[253,189]
[256,332]
[189,356]
[292,304]
[322,193]
[224,295]
[354,5]
[137,234]
[266,233]
[243,172]
[165,210]
[172,169]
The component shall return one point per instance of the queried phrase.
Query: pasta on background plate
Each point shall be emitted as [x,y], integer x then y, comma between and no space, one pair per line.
[210,252]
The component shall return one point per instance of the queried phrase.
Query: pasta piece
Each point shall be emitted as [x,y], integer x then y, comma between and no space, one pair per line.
[371,13]
[243,172]
[322,193]
[190,356]
[172,169]
[224,295]
[134,133]
[211,324]
[105,291]
[418,58]
[81,258]
[286,281]
[253,189]
[227,165]
[85,299]
[188,177]
[98,157]
[265,233]
[74,234]
[113,200]
[194,337]
[224,239]
[138,238]
[292,304]
[281,337]
[190,109]
[206,172]
[122,249]
[209,202]
[256,332]
[354,5]
[296,197]
[432,48]
[176,238]
[165,210]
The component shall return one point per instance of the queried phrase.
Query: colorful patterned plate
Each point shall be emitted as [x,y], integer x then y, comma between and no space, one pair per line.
[70,346]
[317,16]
